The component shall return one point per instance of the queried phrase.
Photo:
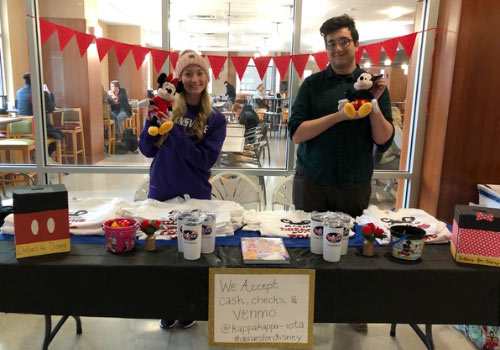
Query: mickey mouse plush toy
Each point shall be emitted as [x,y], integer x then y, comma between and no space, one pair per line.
[358,103]
[167,89]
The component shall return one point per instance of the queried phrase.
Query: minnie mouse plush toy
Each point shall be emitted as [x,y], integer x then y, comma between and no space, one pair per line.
[167,89]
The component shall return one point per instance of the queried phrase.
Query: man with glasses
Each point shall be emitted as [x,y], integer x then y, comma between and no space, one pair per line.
[334,156]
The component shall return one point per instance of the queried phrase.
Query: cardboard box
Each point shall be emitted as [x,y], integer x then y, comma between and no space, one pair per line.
[476,235]
[41,222]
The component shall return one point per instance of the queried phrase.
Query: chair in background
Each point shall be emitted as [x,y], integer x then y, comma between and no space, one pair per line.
[110,127]
[129,123]
[235,187]
[261,112]
[19,140]
[141,193]
[283,193]
[72,127]
[284,121]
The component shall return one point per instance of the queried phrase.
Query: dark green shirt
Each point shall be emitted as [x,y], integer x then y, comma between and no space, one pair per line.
[342,155]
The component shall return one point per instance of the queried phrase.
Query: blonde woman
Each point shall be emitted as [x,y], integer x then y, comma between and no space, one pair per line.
[182,162]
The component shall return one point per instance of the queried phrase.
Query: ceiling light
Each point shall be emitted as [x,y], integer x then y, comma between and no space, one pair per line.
[405,68]
[387,62]
[367,65]
[256,55]
[395,11]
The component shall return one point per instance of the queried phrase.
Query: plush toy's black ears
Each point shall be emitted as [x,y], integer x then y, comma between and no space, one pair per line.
[377,77]
[180,87]
[161,79]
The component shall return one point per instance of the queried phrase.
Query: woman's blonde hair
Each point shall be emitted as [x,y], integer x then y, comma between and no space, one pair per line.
[205,109]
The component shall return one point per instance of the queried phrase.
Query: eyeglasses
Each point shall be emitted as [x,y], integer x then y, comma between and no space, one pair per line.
[343,42]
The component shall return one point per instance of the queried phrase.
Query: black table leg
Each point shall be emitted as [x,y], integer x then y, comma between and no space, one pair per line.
[426,338]
[51,333]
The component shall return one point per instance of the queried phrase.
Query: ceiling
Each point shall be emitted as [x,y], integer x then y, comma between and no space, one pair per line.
[264,26]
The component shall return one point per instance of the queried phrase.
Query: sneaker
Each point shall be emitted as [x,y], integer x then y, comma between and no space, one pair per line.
[167,324]
[187,324]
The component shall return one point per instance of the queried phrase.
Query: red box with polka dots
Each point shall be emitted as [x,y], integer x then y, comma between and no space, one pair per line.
[476,235]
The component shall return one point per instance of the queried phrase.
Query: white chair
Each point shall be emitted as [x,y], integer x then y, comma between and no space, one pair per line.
[141,193]
[235,187]
[283,193]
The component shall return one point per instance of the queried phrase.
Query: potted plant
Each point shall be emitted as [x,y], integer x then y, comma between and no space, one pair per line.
[370,232]
[149,227]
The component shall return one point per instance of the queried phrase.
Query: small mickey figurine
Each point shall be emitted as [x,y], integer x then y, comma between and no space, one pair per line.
[167,89]
[358,103]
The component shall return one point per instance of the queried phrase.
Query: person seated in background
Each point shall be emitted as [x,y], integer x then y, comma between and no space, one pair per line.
[24,105]
[236,109]
[248,117]
[259,96]
[118,101]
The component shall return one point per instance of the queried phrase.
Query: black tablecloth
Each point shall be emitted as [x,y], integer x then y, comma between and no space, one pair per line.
[89,281]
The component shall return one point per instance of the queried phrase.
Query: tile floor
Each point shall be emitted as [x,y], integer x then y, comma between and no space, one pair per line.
[19,332]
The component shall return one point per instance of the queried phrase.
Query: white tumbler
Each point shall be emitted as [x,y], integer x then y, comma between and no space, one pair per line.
[208,229]
[317,233]
[332,240]
[346,219]
[180,239]
[191,232]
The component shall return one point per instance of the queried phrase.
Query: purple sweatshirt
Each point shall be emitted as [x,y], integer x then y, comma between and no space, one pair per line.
[182,164]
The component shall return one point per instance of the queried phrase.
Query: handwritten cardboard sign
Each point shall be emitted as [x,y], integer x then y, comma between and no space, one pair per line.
[261,307]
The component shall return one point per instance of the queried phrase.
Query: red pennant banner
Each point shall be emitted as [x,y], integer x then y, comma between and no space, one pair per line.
[282,63]
[408,42]
[261,63]
[46,30]
[159,58]
[174,56]
[321,59]
[299,62]
[103,46]
[83,40]
[121,51]
[374,51]
[359,53]
[216,62]
[65,34]
[390,47]
[240,63]
[139,53]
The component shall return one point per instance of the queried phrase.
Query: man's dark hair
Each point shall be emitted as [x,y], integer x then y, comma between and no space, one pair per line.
[335,23]
[27,78]
[115,83]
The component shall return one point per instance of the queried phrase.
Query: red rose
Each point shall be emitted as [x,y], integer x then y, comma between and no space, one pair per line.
[379,231]
[144,225]
[367,230]
[156,223]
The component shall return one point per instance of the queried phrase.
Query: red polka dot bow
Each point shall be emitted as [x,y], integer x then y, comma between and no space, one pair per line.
[482,216]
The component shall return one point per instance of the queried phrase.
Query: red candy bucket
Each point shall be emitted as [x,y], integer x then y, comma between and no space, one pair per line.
[120,239]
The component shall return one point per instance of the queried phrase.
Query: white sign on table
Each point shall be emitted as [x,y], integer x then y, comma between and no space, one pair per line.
[261,307]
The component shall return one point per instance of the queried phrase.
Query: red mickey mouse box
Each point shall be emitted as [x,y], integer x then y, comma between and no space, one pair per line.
[476,235]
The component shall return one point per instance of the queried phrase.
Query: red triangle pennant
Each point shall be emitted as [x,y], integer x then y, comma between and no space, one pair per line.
[83,40]
[46,30]
[103,46]
[374,51]
[174,56]
[359,53]
[159,58]
[216,62]
[282,63]
[408,42]
[321,59]
[299,62]
[139,53]
[390,47]
[261,63]
[121,50]
[65,34]
[240,63]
